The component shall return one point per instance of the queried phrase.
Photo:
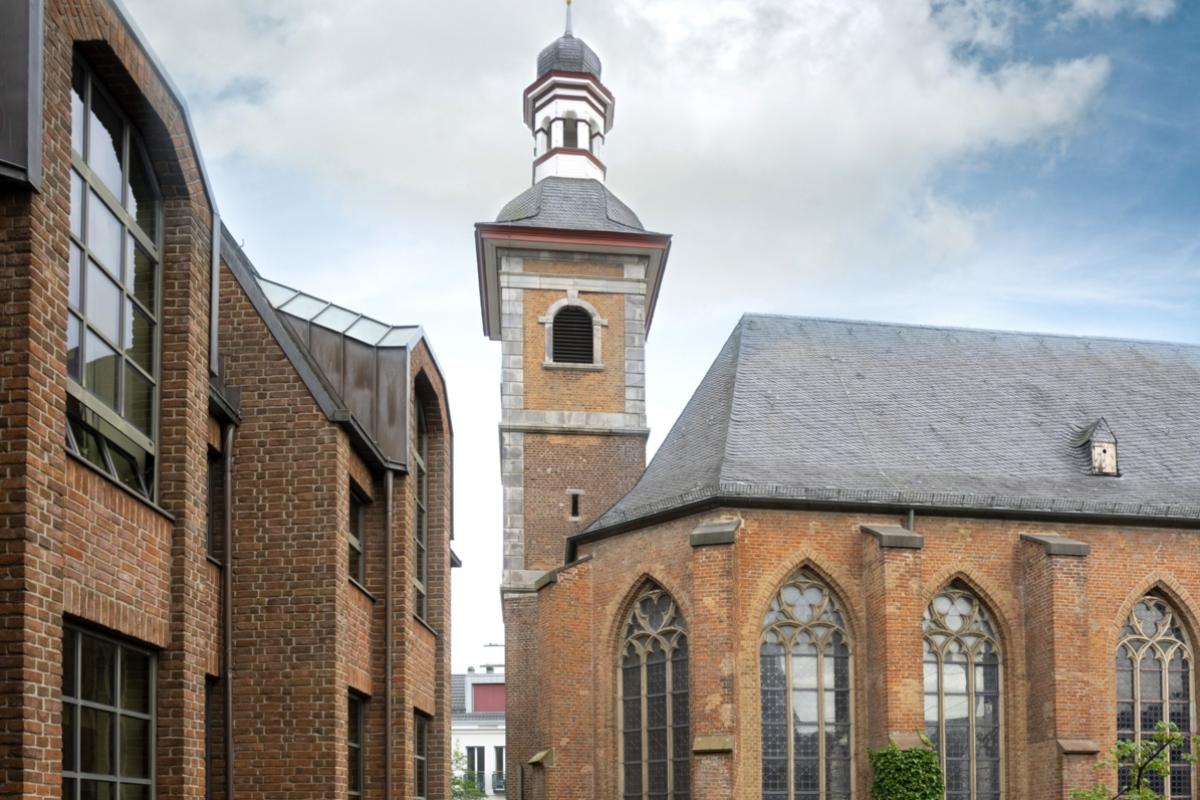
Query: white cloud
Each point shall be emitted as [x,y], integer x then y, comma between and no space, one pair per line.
[792,146]
[1153,10]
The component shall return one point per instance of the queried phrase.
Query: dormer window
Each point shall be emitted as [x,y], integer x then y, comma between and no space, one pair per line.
[1100,444]
[573,333]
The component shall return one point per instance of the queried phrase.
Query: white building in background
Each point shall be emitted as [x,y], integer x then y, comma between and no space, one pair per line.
[477,724]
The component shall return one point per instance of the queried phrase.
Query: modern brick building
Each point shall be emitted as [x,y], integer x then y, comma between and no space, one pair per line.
[225,505]
[854,533]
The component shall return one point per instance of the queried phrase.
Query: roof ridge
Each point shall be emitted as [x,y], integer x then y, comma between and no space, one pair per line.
[965,329]
[727,417]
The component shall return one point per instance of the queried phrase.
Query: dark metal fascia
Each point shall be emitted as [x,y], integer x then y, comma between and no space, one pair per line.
[224,402]
[176,95]
[783,504]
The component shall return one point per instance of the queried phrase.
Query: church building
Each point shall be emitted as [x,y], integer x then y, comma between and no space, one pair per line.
[855,532]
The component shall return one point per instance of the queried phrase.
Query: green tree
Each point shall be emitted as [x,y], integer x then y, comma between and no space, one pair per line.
[1138,763]
[463,784]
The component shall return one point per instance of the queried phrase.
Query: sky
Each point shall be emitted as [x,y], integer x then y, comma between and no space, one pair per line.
[1012,164]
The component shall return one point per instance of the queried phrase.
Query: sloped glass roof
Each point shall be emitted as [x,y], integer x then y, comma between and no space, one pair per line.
[335,318]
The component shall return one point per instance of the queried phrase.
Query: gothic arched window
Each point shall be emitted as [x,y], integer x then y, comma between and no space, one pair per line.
[805,684]
[655,742]
[1154,682]
[573,336]
[962,694]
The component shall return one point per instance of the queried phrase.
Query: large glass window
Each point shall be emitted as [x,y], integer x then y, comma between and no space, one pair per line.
[421,523]
[1154,683]
[962,694]
[804,663]
[108,719]
[477,767]
[354,746]
[655,747]
[420,756]
[357,538]
[113,297]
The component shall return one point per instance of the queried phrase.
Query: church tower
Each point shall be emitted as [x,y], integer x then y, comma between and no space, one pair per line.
[568,279]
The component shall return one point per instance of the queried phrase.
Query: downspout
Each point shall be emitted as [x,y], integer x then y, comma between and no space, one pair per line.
[227,604]
[389,645]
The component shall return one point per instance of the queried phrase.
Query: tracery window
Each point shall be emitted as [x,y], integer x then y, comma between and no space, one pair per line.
[113,295]
[962,694]
[655,746]
[1154,682]
[805,690]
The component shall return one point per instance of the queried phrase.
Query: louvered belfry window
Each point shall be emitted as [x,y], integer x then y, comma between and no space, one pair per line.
[573,341]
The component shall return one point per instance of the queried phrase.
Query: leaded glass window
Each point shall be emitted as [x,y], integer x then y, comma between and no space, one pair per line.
[804,663]
[655,746]
[113,290]
[962,694]
[1154,682]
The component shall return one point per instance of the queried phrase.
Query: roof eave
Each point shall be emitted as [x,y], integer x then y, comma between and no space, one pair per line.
[852,506]
[490,236]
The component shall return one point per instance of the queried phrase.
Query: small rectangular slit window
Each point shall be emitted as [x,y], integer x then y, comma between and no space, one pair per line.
[575,505]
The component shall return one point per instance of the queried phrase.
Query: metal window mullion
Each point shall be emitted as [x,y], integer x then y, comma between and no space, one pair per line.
[669,734]
[645,736]
[941,704]
[791,748]
[92,181]
[820,721]
[971,727]
[1164,683]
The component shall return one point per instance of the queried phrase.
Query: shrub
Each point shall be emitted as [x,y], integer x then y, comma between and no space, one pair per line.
[906,774]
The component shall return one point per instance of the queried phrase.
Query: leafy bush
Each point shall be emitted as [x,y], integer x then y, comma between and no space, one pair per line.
[906,774]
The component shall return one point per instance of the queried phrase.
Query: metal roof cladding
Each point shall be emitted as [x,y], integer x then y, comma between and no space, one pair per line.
[833,412]
[568,54]
[576,204]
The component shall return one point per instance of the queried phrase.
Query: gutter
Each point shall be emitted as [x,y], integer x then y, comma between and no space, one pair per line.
[389,644]
[904,509]
[227,604]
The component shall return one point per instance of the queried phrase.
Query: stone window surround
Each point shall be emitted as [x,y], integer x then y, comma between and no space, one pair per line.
[598,325]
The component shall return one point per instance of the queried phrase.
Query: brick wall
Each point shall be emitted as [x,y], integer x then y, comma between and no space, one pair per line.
[556,387]
[1057,619]
[76,545]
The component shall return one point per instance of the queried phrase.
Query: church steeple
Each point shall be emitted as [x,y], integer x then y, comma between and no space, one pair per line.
[568,110]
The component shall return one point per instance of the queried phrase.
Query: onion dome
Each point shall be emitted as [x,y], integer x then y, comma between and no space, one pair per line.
[568,54]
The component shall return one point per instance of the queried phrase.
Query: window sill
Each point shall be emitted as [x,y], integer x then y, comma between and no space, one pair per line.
[216,562]
[140,498]
[583,367]
[426,626]
[363,589]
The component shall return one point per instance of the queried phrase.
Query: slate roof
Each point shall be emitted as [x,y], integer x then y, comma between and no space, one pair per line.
[834,411]
[568,54]
[580,204]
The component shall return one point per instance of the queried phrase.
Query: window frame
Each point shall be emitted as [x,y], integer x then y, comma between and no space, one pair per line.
[980,611]
[108,422]
[777,621]
[356,536]
[672,636]
[356,743]
[421,516]
[477,766]
[73,704]
[421,724]
[1131,631]
[572,300]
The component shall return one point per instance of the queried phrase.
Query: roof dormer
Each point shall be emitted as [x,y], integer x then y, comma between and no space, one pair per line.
[1099,442]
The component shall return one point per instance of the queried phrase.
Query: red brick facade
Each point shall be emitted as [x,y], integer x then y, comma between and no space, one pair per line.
[79,549]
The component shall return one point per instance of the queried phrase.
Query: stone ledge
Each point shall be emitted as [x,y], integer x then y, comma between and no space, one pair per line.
[551,577]
[543,758]
[1058,546]
[710,745]
[895,536]
[713,533]
[1078,747]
